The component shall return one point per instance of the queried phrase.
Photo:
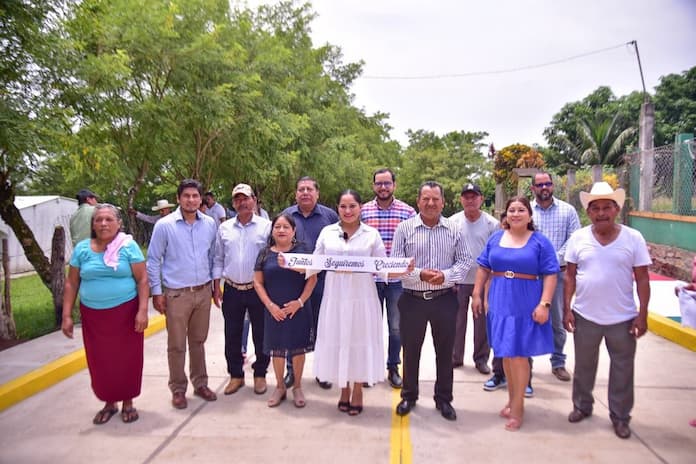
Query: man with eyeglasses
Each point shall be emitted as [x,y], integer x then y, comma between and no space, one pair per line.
[310,217]
[557,220]
[384,213]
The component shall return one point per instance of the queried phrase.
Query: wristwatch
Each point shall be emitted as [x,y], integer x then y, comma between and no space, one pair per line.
[545,304]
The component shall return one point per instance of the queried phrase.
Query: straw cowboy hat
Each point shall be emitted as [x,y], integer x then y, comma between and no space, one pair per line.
[161,204]
[603,191]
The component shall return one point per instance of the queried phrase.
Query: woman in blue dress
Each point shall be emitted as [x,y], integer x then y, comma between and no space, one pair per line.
[522,265]
[288,319]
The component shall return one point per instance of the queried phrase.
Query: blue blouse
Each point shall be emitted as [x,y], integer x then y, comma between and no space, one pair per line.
[102,287]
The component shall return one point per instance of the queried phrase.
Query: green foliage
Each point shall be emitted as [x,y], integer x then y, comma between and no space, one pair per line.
[675,106]
[583,131]
[451,159]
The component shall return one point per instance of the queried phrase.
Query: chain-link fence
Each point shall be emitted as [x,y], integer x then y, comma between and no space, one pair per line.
[670,186]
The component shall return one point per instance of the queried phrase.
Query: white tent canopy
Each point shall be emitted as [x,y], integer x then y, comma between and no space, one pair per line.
[41,213]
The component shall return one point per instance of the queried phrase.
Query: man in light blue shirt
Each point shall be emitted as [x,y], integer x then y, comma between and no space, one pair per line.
[237,246]
[557,220]
[179,267]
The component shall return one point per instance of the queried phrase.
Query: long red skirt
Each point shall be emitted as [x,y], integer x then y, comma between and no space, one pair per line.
[114,351]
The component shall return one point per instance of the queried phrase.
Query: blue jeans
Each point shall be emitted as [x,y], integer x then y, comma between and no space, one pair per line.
[558,358]
[391,294]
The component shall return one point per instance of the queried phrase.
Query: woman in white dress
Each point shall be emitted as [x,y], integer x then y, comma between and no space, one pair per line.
[349,346]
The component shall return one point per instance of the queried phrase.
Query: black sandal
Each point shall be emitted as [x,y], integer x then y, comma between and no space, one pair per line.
[129,415]
[104,415]
[343,406]
[354,410]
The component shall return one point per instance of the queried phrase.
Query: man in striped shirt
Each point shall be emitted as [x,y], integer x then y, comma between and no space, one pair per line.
[442,258]
[384,213]
[557,220]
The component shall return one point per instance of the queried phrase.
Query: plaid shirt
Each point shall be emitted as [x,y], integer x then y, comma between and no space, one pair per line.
[386,220]
[557,223]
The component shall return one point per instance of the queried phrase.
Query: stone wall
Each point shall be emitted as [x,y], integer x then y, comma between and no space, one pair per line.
[671,261]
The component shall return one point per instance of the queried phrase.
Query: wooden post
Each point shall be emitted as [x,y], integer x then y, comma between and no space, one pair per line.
[570,183]
[58,272]
[8,330]
[647,155]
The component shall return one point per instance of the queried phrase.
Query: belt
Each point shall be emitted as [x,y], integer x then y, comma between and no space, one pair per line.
[515,275]
[428,294]
[240,287]
[193,288]
[563,268]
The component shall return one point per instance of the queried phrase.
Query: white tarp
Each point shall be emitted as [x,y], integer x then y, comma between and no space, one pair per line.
[41,213]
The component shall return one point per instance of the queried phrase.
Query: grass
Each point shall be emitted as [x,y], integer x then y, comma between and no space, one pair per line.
[32,307]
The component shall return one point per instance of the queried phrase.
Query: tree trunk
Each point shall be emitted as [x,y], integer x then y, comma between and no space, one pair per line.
[12,217]
[8,330]
[596,173]
[58,271]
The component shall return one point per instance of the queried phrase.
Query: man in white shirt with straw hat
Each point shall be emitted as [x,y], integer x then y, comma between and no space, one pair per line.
[603,260]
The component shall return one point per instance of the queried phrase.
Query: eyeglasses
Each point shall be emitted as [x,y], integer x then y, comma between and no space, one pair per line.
[384,184]
[544,184]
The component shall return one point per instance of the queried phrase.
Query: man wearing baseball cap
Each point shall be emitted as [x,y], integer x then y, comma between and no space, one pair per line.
[237,246]
[476,227]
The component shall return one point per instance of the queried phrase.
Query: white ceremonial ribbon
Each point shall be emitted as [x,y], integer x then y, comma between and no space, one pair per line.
[379,265]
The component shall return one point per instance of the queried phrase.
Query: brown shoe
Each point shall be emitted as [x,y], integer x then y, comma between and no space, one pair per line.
[234,384]
[179,400]
[561,374]
[622,430]
[260,385]
[205,393]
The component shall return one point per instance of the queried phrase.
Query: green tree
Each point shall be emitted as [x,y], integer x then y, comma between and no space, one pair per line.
[28,123]
[603,141]
[601,110]
[675,106]
[451,159]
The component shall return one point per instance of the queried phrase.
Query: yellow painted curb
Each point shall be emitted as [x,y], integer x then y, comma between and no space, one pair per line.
[50,374]
[673,331]
[400,450]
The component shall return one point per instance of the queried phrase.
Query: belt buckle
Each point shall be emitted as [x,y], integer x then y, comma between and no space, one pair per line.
[509,275]
[427,295]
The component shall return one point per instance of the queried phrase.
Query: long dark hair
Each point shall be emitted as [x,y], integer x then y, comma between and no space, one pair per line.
[528,207]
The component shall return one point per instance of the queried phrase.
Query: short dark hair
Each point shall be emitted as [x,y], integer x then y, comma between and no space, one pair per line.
[83,195]
[209,194]
[431,184]
[541,173]
[310,179]
[525,202]
[189,183]
[382,171]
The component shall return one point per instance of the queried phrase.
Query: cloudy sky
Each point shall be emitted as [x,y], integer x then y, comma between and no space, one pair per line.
[404,39]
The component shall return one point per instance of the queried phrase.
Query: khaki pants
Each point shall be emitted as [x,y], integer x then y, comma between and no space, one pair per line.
[188,317]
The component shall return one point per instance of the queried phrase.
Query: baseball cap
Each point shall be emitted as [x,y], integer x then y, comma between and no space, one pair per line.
[471,188]
[244,189]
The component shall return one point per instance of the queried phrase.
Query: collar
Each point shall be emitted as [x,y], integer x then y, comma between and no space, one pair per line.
[536,205]
[419,221]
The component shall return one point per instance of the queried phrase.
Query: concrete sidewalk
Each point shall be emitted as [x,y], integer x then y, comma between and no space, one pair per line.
[55,424]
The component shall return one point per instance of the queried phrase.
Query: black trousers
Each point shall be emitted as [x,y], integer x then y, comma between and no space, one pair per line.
[234,304]
[416,313]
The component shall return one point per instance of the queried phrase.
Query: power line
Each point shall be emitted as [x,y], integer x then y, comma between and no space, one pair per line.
[500,71]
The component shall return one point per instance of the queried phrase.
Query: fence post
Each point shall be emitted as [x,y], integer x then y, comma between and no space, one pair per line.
[647,155]
[682,189]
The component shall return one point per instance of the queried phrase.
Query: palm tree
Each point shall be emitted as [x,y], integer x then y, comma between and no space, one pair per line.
[603,141]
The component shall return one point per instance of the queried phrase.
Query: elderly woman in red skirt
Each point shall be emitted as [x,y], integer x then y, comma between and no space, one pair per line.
[108,271]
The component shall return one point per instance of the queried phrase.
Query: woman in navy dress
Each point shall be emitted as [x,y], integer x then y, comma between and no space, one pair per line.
[288,317]
[523,266]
